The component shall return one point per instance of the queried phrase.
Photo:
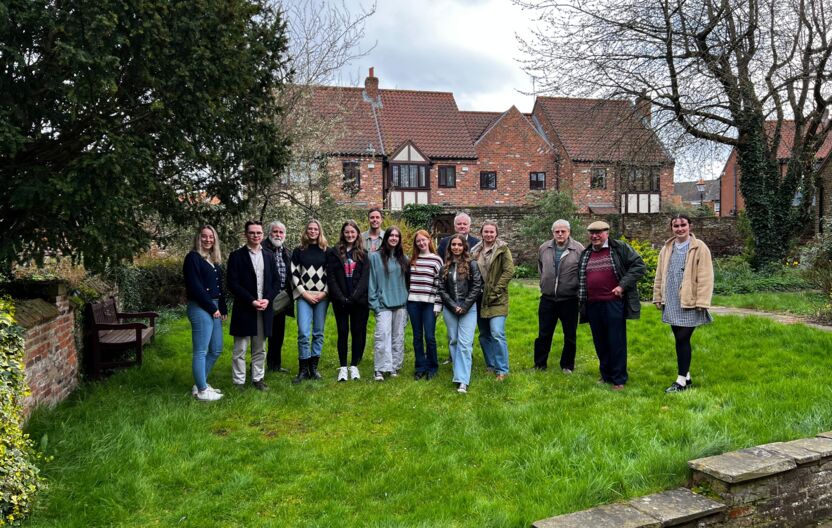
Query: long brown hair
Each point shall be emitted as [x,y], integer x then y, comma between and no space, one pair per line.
[357,246]
[463,262]
[396,253]
[305,242]
[415,253]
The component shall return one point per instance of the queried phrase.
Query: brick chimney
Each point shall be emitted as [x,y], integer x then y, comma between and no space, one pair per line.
[644,108]
[371,86]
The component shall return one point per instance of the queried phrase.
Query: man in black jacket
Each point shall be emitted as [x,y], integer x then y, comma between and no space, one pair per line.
[253,283]
[276,244]
[462,226]
[608,275]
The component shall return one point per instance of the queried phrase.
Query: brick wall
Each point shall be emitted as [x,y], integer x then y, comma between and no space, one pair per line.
[51,356]
[776,485]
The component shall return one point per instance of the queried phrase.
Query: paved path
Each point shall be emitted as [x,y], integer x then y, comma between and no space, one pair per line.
[779,317]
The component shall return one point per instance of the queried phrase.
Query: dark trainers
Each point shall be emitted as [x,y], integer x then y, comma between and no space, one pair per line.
[676,388]
[260,385]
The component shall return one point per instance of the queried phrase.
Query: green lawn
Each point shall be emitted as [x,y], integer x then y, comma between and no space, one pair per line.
[137,450]
[805,303]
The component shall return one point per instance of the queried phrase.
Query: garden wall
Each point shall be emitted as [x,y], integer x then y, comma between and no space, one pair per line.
[783,484]
[721,234]
[51,357]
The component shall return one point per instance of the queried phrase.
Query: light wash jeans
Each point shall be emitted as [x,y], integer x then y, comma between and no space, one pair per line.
[311,317]
[206,336]
[258,355]
[388,340]
[494,344]
[461,341]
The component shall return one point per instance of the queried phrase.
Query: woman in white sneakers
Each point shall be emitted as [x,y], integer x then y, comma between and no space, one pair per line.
[424,304]
[347,277]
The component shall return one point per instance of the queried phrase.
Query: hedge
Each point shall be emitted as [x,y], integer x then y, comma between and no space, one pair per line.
[19,477]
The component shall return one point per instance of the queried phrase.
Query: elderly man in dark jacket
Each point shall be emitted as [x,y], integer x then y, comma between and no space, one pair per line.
[253,283]
[276,243]
[557,264]
[608,275]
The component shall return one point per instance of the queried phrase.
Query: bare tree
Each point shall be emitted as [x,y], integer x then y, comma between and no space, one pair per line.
[324,37]
[724,71]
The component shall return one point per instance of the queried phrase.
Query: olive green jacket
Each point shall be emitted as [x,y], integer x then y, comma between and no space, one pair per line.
[494,300]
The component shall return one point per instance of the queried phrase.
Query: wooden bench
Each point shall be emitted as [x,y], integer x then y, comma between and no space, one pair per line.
[110,340]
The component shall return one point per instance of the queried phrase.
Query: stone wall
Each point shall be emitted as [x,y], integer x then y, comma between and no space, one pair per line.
[50,357]
[720,234]
[783,484]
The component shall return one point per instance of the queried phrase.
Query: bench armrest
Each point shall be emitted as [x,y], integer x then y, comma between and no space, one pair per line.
[119,326]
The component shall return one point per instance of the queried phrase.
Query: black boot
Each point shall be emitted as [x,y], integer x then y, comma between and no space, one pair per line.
[313,368]
[303,371]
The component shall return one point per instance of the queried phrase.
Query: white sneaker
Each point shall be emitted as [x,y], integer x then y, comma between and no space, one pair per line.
[463,388]
[194,390]
[394,374]
[208,395]
[354,374]
[379,376]
[342,374]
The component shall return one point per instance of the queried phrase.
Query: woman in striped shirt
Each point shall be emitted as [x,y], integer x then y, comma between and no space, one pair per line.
[424,303]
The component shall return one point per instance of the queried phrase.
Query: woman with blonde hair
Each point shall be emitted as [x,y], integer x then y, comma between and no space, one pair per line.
[424,303]
[310,290]
[206,308]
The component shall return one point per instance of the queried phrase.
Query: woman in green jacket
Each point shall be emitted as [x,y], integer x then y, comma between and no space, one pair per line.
[497,267]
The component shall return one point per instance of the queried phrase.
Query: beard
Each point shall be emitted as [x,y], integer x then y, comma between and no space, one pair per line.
[278,243]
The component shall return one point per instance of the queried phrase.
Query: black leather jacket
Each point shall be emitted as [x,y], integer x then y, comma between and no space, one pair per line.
[462,293]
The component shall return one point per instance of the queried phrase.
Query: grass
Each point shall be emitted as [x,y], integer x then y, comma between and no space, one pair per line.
[137,450]
[805,303]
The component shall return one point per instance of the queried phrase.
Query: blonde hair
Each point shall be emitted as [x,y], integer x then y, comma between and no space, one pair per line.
[305,242]
[215,255]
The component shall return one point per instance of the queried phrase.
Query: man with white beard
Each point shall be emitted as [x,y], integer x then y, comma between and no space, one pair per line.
[275,243]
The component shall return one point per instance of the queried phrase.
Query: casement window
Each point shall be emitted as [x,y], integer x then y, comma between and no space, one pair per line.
[488,180]
[409,176]
[640,188]
[642,179]
[447,176]
[598,179]
[352,176]
[537,181]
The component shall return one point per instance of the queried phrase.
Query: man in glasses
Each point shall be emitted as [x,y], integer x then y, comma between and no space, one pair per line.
[253,283]
[557,264]
[608,274]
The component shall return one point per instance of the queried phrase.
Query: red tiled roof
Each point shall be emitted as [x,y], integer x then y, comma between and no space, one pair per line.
[602,130]
[350,119]
[478,122]
[784,149]
[431,120]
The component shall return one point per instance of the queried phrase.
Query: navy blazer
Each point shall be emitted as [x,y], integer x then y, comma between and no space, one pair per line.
[203,283]
[443,244]
[242,283]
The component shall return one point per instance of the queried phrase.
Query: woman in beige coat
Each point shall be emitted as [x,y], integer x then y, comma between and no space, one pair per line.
[682,290]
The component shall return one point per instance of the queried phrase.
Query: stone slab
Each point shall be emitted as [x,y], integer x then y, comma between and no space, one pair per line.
[820,445]
[677,506]
[801,455]
[609,516]
[743,465]
[32,312]
[827,434]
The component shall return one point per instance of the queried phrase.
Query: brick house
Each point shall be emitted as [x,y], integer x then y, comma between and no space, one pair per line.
[390,148]
[824,196]
[731,199]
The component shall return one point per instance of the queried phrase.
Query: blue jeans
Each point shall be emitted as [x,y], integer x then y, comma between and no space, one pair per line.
[206,336]
[461,341]
[493,343]
[313,315]
[423,322]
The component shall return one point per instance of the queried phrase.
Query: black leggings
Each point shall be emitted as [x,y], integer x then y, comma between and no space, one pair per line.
[683,353]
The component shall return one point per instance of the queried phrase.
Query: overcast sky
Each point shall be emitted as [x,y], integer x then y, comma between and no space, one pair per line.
[467,47]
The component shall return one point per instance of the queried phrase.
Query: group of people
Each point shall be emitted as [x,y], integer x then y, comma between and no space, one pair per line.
[466,281]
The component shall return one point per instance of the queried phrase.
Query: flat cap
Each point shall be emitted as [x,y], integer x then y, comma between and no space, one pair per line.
[598,225]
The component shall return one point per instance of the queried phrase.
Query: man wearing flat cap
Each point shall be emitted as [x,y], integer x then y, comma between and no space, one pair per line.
[608,274]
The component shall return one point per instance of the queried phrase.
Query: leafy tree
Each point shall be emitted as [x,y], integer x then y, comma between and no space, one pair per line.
[536,227]
[118,116]
[724,71]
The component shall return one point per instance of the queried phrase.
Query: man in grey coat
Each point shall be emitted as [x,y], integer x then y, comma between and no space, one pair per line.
[557,264]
